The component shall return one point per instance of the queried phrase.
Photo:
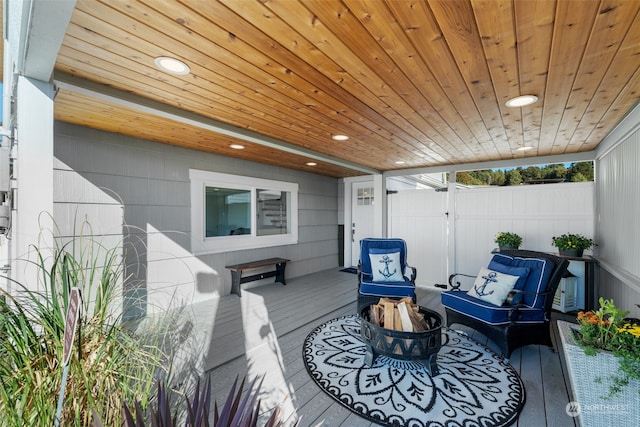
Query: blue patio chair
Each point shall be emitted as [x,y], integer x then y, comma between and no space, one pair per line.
[383,270]
[510,301]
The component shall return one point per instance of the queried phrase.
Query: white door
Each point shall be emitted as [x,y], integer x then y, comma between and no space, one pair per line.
[420,218]
[361,216]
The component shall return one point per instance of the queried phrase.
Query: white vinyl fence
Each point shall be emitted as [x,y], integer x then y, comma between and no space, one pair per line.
[430,222]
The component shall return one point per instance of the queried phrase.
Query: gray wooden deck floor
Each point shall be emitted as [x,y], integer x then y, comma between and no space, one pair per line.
[261,334]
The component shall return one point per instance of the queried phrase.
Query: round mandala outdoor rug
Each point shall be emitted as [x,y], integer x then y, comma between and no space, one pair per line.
[474,386]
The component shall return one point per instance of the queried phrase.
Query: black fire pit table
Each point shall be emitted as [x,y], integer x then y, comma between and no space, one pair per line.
[422,346]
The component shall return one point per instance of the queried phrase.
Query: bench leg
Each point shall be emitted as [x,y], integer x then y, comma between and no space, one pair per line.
[280,272]
[236,276]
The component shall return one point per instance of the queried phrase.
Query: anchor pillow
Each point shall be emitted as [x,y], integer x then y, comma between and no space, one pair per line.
[492,286]
[385,265]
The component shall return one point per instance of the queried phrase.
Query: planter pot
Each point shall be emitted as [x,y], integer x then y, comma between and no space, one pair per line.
[571,252]
[591,377]
[507,247]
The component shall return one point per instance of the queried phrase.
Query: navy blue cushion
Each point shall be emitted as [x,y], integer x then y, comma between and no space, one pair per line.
[388,289]
[486,312]
[368,286]
[521,272]
[540,270]
[375,244]
[384,250]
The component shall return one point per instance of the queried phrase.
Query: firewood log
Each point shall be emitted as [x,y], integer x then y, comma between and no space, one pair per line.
[397,321]
[407,325]
[389,316]
[374,315]
[418,322]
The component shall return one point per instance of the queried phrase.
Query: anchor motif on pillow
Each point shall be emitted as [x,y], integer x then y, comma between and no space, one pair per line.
[386,273]
[489,278]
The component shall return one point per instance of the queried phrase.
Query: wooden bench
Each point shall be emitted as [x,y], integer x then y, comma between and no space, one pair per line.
[238,269]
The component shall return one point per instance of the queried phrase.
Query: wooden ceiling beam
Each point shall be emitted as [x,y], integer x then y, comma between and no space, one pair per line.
[88,88]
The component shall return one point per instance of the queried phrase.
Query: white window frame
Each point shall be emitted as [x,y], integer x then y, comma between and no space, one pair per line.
[200,244]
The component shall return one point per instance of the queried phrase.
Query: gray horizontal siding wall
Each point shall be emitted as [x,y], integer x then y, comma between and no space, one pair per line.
[137,192]
[618,228]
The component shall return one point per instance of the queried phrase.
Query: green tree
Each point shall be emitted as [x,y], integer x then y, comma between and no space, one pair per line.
[513,177]
[498,178]
[531,173]
[464,178]
[483,176]
[556,172]
[578,177]
[580,171]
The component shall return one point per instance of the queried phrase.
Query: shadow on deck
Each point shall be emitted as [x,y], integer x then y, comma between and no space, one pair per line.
[261,334]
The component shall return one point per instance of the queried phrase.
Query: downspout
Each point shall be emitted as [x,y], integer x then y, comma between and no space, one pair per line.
[451,224]
[7,131]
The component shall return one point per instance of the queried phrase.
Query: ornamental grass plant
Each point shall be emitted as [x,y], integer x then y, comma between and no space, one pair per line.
[110,363]
[608,329]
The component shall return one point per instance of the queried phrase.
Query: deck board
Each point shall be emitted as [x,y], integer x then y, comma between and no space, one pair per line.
[262,333]
[532,379]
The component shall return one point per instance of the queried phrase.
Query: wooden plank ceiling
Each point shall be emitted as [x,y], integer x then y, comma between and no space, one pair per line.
[412,83]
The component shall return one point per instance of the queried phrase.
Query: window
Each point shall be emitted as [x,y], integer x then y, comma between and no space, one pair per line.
[231,212]
[365,196]
[273,208]
[227,212]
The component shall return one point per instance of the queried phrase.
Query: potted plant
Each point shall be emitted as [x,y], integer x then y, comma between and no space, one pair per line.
[572,244]
[608,329]
[602,353]
[507,240]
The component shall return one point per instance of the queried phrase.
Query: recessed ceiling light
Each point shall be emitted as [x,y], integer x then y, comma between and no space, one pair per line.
[400,162]
[525,148]
[521,101]
[339,137]
[237,146]
[312,164]
[172,65]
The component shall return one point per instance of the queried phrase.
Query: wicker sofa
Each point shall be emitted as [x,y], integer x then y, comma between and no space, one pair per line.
[523,318]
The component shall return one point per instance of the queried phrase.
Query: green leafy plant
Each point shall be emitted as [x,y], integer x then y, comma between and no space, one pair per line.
[508,239]
[608,329]
[572,241]
[110,362]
